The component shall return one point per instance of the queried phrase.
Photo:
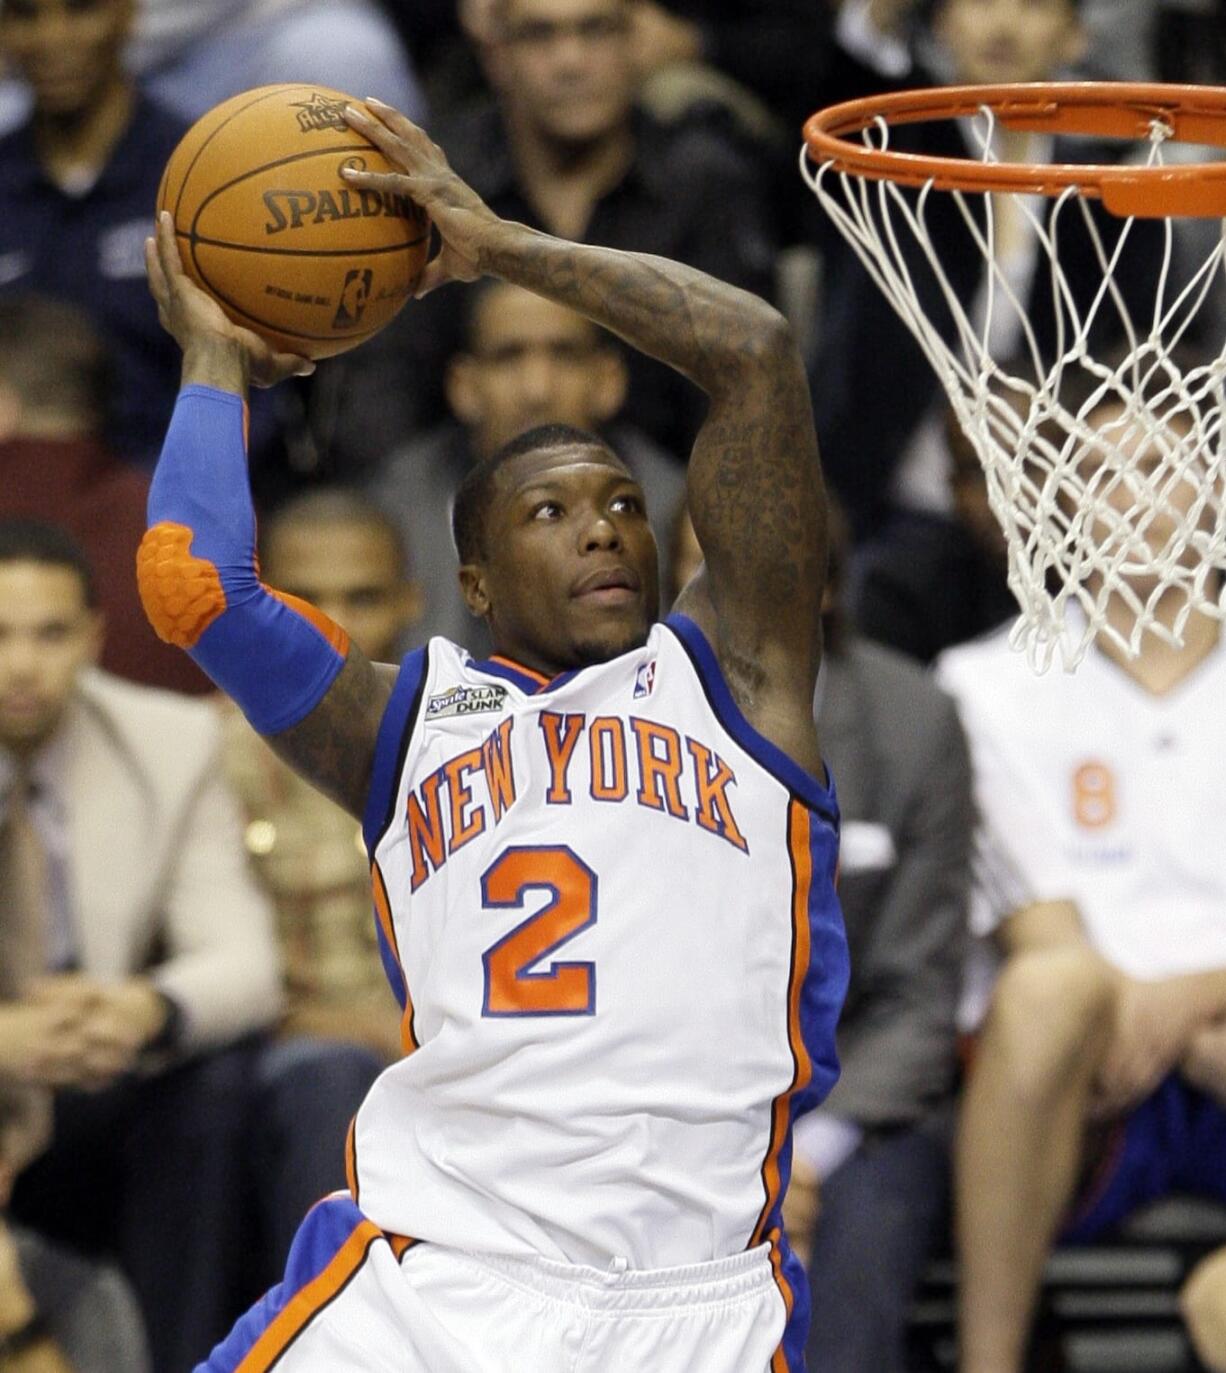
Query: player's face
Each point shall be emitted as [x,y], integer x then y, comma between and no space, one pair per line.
[67,50]
[47,636]
[532,362]
[566,65]
[992,41]
[351,571]
[570,575]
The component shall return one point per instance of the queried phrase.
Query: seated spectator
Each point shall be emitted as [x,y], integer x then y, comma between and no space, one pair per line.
[880,422]
[1097,1083]
[54,392]
[342,1025]
[192,54]
[151,952]
[566,148]
[775,48]
[58,1312]
[78,181]
[929,580]
[868,1201]
[525,361]
[1204,1294]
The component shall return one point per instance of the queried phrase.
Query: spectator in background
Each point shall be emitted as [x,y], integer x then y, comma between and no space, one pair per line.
[55,387]
[525,361]
[1097,1082]
[58,1312]
[192,54]
[1204,1294]
[566,148]
[78,181]
[339,551]
[153,952]
[342,1025]
[875,394]
[869,1196]
[930,580]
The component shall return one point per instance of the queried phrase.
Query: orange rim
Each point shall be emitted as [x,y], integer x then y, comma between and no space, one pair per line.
[1193,114]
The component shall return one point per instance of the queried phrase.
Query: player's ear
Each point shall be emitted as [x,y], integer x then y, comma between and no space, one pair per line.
[611,379]
[473,589]
[461,387]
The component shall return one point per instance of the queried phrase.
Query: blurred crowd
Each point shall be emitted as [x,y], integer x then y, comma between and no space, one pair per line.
[191,999]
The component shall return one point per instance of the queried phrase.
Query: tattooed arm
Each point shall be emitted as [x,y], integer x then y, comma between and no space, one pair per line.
[754,483]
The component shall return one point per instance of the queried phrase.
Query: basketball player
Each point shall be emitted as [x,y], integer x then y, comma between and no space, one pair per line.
[603,860]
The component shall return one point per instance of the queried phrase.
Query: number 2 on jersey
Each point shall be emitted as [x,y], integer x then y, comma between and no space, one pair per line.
[511,987]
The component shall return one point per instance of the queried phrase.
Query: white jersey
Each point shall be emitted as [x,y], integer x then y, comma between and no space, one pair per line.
[1093,790]
[607,905]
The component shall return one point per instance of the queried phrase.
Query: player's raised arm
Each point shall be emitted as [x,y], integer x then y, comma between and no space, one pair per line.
[293,671]
[755,487]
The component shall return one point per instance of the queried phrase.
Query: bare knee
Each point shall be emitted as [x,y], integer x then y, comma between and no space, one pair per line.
[1051,1016]
[1203,1301]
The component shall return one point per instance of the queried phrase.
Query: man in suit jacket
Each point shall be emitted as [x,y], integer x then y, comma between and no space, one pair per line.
[150,950]
[877,1152]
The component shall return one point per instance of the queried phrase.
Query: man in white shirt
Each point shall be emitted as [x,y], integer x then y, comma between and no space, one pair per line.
[1104,881]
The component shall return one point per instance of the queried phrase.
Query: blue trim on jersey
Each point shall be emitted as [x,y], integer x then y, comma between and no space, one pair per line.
[391,966]
[321,1236]
[821,1002]
[770,756]
[825,986]
[390,744]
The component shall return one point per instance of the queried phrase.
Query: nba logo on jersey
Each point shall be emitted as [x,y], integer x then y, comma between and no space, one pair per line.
[645,680]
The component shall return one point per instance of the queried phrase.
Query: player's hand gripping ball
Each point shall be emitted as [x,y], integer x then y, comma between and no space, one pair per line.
[268,227]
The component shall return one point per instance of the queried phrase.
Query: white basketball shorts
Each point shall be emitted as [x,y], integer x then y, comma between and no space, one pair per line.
[355,1300]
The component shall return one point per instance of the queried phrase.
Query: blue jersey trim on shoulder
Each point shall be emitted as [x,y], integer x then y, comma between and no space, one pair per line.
[390,745]
[808,789]
[508,672]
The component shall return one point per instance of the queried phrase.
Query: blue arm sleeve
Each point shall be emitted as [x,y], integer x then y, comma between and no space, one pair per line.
[199,578]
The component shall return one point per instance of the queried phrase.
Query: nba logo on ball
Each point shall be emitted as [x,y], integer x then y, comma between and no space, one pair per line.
[645,680]
[354,295]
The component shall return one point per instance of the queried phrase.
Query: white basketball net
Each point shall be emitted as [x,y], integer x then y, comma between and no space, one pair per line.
[1083,519]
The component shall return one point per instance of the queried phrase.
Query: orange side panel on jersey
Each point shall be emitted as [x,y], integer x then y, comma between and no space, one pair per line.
[383,909]
[311,1300]
[328,627]
[351,1159]
[182,594]
[799,822]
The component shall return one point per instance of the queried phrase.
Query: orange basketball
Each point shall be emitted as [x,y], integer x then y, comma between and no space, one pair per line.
[267,225]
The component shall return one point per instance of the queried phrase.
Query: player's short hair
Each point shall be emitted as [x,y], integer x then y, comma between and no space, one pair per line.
[32,541]
[475,493]
[329,505]
[54,359]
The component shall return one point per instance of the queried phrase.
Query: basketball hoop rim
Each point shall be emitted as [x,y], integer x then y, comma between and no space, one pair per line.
[1119,109]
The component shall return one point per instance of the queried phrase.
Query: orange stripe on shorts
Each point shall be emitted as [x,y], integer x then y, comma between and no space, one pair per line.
[310,1301]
